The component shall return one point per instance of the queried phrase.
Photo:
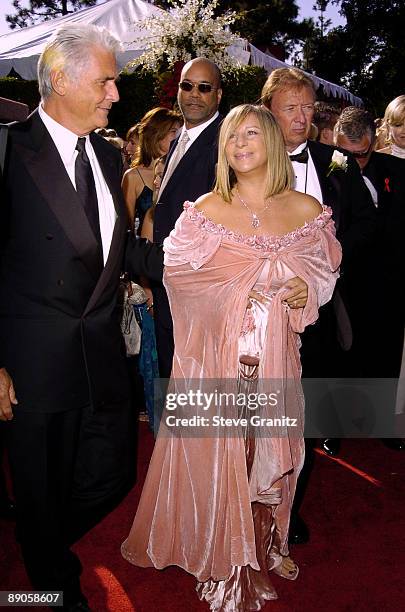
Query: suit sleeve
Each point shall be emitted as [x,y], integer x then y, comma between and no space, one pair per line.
[143,258]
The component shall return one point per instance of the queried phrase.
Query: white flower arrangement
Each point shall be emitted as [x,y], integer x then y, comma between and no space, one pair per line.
[338,162]
[188,30]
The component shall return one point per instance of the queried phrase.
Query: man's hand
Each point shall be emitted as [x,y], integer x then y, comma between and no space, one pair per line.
[297,294]
[7,396]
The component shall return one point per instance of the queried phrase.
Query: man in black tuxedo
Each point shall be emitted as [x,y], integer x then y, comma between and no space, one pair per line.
[64,391]
[381,338]
[189,173]
[290,95]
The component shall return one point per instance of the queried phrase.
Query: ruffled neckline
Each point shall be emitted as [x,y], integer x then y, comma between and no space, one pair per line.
[261,242]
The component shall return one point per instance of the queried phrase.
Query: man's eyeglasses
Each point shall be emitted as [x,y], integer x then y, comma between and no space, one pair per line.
[203,88]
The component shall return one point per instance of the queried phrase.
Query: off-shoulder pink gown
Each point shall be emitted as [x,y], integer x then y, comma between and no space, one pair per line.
[219,505]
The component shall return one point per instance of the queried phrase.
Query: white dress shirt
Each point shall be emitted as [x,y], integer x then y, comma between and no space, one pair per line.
[306,177]
[193,133]
[65,142]
[372,190]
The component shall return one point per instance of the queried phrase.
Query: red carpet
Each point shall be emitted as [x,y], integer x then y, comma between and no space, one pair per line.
[354,561]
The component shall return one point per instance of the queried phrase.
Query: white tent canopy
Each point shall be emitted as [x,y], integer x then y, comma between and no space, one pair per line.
[21,48]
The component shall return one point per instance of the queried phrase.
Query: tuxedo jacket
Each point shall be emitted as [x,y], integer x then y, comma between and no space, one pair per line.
[354,215]
[345,192]
[387,174]
[383,287]
[193,176]
[60,336]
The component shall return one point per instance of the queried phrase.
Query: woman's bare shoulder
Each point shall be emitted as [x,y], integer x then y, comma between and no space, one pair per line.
[305,204]
[208,202]
[131,175]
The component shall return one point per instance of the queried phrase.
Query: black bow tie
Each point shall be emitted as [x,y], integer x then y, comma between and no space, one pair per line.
[301,158]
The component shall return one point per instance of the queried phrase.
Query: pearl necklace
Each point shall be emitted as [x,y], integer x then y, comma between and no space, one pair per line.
[255,218]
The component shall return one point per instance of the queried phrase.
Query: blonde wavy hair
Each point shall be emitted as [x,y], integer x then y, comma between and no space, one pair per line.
[279,175]
[394,115]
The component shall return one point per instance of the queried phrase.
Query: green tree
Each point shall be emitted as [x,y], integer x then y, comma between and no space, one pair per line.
[268,24]
[367,55]
[320,6]
[42,10]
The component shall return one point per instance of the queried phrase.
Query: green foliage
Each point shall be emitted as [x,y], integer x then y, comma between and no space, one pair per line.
[242,85]
[137,95]
[367,55]
[267,24]
[42,10]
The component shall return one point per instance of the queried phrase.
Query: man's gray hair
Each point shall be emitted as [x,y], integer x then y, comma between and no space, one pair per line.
[354,123]
[69,50]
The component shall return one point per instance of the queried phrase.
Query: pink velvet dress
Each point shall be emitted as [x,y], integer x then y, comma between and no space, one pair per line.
[218,505]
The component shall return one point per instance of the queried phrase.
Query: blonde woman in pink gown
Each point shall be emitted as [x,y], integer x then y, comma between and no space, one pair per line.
[246,269]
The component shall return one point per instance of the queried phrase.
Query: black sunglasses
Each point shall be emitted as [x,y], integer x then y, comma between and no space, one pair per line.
[364,153]
[202,87]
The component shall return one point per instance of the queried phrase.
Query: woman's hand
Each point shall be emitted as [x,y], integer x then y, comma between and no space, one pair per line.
[297,293]
[255,295]
[148,291]
[7,396]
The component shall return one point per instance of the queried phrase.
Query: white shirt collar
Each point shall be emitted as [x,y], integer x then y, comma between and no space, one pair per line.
[65,140]
[193,133]
[299,149]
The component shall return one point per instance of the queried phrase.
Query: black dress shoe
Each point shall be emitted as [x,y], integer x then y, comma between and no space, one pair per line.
[299,532]
[394,443]
[331,446]
[7,510]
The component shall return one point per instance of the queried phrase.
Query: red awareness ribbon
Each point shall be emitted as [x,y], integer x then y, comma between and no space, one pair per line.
[387,185]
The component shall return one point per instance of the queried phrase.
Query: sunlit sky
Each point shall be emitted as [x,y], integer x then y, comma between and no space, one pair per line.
[305,11]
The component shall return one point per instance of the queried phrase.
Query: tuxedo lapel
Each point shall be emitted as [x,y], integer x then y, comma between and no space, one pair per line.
[190,158]
[111,176]
[371,171]
[384,178]
[48,172]
[321,161]
[186,162]
[329,183]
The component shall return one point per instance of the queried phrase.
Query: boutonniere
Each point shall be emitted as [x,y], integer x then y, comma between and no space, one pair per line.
[387,185]
[338,162]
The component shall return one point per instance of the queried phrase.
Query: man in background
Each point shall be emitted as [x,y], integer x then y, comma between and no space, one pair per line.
[325,117]
[189,173]
[380,340]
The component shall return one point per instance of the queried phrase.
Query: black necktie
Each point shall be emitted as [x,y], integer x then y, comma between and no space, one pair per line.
[86,188]
[301,158]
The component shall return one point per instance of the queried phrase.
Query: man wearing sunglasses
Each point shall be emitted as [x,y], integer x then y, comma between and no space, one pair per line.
[355,132]
[189,173]
[381,324]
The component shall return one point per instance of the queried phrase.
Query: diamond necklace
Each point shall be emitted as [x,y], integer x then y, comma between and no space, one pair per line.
[255,218]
